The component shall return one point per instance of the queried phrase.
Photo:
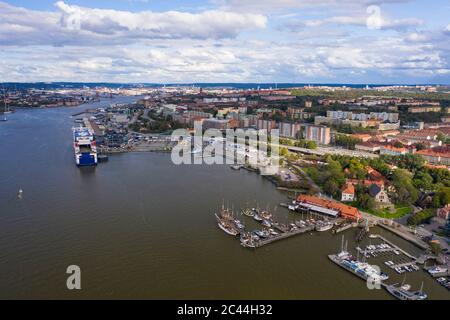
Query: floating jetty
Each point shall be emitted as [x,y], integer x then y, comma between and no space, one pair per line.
[395,247]
[263,242]
[273,231]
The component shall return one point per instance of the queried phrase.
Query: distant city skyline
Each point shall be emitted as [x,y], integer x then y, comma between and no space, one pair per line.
[226,41]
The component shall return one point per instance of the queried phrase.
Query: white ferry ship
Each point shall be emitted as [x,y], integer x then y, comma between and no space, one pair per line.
[85,147]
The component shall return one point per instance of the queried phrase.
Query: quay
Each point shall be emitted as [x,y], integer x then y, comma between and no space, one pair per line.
[345,228]
[408,237]
[285,235]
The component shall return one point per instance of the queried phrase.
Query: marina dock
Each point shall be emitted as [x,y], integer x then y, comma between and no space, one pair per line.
[395,247]
[282,236]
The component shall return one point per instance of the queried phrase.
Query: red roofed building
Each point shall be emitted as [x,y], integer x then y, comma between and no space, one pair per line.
[393,151]
[333,208]
[348,193]
[375,175]
[439,155]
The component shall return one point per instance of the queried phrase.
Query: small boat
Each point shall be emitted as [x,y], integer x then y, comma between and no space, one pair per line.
[322,227]
[399,270]
[273,232]
[373,236]
[438,271]
[239,224]
[300,224]
[261,234]
[248,213]
[257,217]
[248,243]
[255,237]
[228,229]
[403,294]
[441,280]
[20,194]
[266,215]
[267,224]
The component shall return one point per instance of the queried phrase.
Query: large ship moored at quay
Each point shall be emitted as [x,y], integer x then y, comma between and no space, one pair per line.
[85,147]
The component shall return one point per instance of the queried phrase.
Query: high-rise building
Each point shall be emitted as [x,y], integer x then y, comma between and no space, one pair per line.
[319,134]
[268,125]
[289,130]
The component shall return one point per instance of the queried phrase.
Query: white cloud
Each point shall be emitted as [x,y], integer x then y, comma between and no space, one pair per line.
[383,22]
[270,5]
[213,46]
[99,26]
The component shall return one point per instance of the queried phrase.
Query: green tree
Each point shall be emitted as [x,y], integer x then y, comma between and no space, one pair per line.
[365,201]
[357,169]
[284,152]
[331,188]
[420,146]
[422,180]
[405,191]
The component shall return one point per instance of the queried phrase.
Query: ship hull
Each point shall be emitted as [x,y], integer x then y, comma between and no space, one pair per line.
[85,147]
[86,160]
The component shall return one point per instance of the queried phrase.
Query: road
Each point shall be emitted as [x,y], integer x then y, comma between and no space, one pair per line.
[321,151]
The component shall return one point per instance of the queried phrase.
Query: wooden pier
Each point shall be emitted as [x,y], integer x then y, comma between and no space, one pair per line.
[397,248]
[402,265]
[285,235]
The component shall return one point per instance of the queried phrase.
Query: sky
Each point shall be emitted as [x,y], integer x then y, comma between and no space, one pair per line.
[223,41]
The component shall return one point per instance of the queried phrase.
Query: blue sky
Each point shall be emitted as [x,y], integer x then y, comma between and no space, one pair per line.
[308,41]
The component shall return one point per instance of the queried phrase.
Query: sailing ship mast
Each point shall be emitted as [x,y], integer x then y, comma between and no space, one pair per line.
[5,105]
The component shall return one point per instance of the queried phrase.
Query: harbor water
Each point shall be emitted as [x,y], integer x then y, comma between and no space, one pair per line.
[140,227]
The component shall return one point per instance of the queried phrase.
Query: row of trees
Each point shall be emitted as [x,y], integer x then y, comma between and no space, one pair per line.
[347,141]
[299,143]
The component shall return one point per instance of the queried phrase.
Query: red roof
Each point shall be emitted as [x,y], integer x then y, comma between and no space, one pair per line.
[375,175]
[344,210]
[348,189]
[443,152]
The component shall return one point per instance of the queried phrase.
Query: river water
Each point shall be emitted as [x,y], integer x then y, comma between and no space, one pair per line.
[140,227]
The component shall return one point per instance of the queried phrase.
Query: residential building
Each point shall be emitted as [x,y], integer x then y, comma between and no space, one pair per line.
[319,134]
[393,151]
[368,147]
[289,130]
[348,193]
[424,109]
[216,124]
[268,125]
[362,136]
[438,155]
